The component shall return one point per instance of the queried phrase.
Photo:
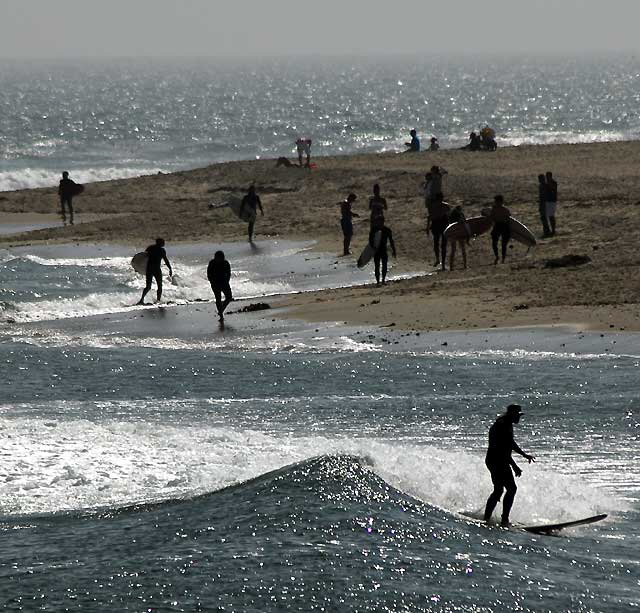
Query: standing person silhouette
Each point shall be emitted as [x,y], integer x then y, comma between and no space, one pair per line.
[346,222]
[67,189]
[501,229]
[437,221]
[156,255]
[381,256]
[252,202]
[499,462]
[552,202]
[219,275]
[542,205]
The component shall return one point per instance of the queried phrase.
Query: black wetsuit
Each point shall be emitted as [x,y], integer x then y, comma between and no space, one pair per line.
[219,275]
[381,256]
[154,265]
[499,462]
[66,191]
[542,207]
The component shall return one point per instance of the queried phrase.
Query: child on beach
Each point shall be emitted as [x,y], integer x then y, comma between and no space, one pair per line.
[346,221]
[219,275]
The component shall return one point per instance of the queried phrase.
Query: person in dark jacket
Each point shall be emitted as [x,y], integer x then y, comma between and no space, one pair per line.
[499,462]
[219,275]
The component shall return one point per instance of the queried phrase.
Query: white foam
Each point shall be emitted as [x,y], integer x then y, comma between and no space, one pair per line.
[73,464]
[27,178]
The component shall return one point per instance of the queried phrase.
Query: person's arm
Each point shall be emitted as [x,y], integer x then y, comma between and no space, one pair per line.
[259,205]
[166,261]
[227,272]
[393,245]
[516,468]
[210,272]
[526,456]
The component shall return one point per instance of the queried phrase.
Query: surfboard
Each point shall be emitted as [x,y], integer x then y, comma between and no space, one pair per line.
[520,233]
[547,529]
[244,213]
[551,528]
[78,189]
[368,251]
[139,262]
[476,225]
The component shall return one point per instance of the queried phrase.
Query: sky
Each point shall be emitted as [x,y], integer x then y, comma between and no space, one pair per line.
[259,28]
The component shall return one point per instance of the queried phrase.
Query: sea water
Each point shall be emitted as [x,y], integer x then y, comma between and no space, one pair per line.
[112,119]
[154,461]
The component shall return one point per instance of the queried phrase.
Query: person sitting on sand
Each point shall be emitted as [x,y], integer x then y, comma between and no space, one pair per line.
[542,205]
[219,275]
[552,202]
[67,189]
[475,144]
[252,202]
[346,222]
[380,256]
[500,215]
[414,145]
[434,146]
[284,161]
[156,255]
[488,139]
[377,205]
[457,216]
[303,146]
[437,221]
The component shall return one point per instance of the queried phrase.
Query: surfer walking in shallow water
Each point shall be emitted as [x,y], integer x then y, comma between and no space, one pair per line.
[156,255]
[499,462]
[252,202]
[219,275]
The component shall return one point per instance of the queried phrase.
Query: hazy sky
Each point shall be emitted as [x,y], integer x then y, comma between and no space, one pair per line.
[89,28]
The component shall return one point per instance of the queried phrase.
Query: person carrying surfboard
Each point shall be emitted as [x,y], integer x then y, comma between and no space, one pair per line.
[252,202]
[67,189]
[381,235]
[499,462]
[157,255]
[219,275]
[346,221]
[500,215]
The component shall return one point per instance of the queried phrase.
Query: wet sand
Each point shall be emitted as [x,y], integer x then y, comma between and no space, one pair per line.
[598,216]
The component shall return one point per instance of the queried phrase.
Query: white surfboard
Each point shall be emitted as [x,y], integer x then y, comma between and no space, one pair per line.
[520,233]
[368,251]
[139,262]
[547,529]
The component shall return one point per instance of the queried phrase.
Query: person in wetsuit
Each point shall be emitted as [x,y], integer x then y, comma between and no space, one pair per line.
[380,256]
[157,255]
[377,206]
[542,205]
[346,221]
[219,275]
[437,222]
[252,202]
[457,216]
[500,215]
[67,189]
[499,462]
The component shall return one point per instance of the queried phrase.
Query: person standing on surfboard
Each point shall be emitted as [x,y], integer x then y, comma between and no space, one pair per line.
[156,255]
[501,229]
[252,202]
[346,222]
[67,189]
[499,462]
[219,275]
[380,256]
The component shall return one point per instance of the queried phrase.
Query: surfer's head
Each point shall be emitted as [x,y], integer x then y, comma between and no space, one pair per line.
[376,190]
[498,200]
[65,175]
[252,189]
[352,197]
[160,242]
[219,255]
[514,411]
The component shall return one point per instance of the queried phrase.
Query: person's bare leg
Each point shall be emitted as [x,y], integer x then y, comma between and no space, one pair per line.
[453,255]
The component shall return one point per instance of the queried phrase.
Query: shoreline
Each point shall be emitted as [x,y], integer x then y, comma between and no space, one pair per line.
[598,217]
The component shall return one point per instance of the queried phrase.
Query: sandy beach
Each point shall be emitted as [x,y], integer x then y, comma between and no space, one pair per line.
[598,217]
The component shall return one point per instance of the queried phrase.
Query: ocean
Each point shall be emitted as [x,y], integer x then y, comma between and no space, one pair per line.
[153,461]
[108,120]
